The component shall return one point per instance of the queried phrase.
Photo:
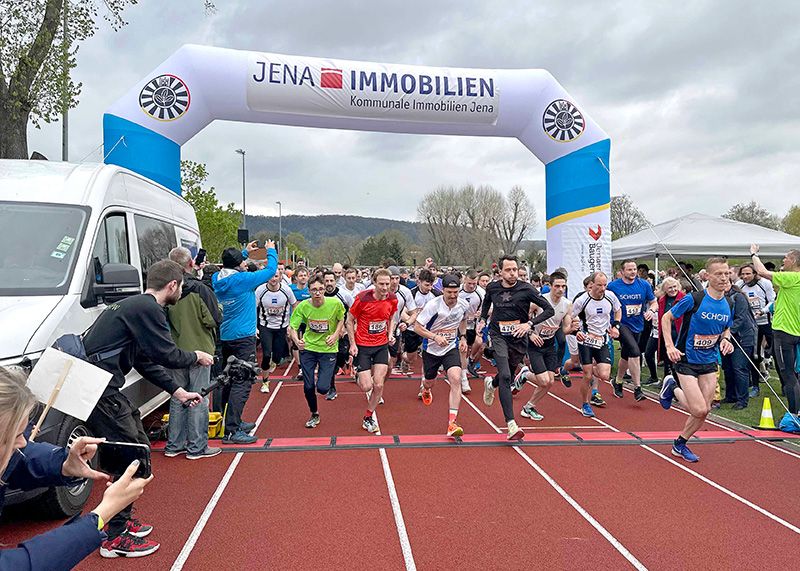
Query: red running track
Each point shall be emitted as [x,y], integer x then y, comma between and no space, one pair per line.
[608,507]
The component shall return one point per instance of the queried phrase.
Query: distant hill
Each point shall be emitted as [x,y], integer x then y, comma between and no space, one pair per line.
[316,228]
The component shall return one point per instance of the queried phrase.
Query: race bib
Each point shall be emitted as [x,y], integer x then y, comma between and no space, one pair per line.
[755,302]
[547,331]
[705,341]
[318,325]
[507,327]
[377,327]
[449,334]
[633,310]
[594,341]
[274,310]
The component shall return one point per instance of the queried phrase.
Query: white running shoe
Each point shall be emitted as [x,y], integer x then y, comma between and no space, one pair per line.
[519,380]
[488,391]
[265,387]
[465,388]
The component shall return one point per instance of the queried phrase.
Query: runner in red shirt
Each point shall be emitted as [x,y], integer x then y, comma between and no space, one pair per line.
[371,322]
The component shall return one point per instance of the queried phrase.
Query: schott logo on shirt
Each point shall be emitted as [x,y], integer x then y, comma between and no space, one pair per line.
[713,316]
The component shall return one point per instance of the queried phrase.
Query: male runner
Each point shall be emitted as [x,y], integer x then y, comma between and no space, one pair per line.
[403,318]
[323,318]
[760,294]
[473,294]
[300,290]
[343,355]
[634,294]
[510,301]
[351,283]
[542,350]
[599,312]
[371,323]
[705,333]
[443,326]
[275,304]
[422,293]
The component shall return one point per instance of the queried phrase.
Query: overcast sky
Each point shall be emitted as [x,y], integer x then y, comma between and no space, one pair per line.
[699,99]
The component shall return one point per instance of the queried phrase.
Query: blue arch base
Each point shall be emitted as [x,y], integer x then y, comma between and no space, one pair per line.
[143,151]
[578,182]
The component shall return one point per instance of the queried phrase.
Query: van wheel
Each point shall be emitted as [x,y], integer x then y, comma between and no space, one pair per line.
[60,501]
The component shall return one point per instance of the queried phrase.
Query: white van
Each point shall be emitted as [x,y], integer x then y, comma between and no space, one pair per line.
[72,237]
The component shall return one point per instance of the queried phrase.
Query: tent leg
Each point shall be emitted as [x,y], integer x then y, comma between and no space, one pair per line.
[658,279]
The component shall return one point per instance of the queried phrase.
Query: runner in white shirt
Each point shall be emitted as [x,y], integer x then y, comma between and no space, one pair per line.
[599,312]
[442,324]
[275,301]
[422,293]
[542,352]
[473,294]
[351,283]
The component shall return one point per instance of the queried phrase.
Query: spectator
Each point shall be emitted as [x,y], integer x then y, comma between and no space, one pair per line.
[28,465]
[193,322]
[134,333]
[235,290]
[669,294]
[737,364]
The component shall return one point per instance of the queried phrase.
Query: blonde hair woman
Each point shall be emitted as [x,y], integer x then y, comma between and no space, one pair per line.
[28,465]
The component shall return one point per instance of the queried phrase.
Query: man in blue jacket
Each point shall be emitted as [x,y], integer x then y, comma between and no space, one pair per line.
[235,288]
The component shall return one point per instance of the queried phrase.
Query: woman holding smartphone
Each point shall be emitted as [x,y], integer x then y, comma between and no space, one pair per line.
[28,465]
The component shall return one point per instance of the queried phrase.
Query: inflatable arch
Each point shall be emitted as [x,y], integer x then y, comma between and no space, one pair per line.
[144,130]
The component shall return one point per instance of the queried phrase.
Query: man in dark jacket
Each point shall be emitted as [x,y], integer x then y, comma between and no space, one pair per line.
[136,334]
[193,322]
[737,365]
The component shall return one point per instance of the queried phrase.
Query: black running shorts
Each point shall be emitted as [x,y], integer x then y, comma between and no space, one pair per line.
[471,336]
[369,356]
[694,370]
[431,363]
[589,355]
[544,358]
[411,341]
[628,343]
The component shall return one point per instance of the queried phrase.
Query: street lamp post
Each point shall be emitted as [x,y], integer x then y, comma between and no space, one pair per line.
[280,226]
[244,210]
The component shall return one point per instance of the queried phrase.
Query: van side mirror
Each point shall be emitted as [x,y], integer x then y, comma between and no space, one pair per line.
[116,282]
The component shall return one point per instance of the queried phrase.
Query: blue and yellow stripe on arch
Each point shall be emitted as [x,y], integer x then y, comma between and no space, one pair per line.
[577,184]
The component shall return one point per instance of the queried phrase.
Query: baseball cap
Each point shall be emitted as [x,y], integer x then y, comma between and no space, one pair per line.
[394,270]
[450,280]
[231,258]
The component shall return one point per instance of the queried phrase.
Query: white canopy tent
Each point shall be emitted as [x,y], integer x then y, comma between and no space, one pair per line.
[699,235]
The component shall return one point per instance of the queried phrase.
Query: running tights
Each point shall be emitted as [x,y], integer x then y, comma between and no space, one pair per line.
[784,349]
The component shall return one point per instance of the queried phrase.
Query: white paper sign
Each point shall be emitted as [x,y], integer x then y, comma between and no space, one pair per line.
[82,388]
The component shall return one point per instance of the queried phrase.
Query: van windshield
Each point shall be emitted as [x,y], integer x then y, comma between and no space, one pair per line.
[39,244]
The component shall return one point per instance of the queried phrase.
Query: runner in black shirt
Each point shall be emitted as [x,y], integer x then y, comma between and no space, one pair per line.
[510,302]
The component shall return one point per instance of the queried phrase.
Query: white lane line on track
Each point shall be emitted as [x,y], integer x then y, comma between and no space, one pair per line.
[394,500]
[711,422]
[180,561]
[699,476]
[569,499]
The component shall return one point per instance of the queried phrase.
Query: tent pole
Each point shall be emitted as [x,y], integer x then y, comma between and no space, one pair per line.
[657,280]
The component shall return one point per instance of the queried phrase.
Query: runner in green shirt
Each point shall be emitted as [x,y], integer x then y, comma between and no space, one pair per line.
[323,318]
[786,323]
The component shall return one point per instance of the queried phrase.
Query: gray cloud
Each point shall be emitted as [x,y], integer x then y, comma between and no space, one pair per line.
[699,98]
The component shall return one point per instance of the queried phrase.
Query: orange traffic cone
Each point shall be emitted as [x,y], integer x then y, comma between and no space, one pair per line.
[767,422]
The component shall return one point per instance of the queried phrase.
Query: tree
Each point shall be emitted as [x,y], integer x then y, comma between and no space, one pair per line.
[791,222]
[441,212]
[218,224]
[753,213]
[626,218]
[396,252]
[518,220]
[342,248]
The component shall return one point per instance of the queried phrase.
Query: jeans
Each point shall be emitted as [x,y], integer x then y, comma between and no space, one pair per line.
[188,426]
[737,374]
[324,366]
[235,394]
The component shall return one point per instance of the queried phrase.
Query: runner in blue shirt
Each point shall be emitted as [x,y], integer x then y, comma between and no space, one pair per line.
[705,333]
[638,303]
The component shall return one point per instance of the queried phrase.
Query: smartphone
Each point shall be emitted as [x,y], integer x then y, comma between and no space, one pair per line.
[201,256]
[113,458]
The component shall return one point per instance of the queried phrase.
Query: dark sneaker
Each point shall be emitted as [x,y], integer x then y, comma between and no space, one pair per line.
[651,381]
[331,395]
[565,380]
[127,545]
[739,406]
[313,422]
[207,453]
[618,390]
[667,392]
[597,400]
[683,451]
[172,454]
[239,437]
[638,394]
[246,426]
[626,377]
[472,369]
[137,528]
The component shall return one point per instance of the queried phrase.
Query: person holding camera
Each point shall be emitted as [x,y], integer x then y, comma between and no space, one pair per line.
[28,465]
[134,334]
[235,289]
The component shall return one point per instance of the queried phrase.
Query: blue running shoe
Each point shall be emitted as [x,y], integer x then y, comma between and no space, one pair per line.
[667,392]
[586,410]
[683,451]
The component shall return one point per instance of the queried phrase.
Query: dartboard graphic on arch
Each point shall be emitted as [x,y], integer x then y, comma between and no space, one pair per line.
[165,97]
[562,121]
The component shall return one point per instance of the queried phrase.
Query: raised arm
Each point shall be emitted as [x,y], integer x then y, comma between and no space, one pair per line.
[758,265]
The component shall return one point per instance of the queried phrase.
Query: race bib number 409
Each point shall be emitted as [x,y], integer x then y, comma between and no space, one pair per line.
[705,341]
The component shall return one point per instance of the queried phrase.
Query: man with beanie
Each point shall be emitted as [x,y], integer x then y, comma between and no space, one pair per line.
[235,288]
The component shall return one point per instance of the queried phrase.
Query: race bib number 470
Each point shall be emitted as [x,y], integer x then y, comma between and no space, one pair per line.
[507,327]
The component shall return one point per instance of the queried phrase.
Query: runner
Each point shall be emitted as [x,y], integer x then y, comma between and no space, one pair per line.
[351,283]
[421,294]
[542,350]
[705,333]
[371,324]
[443,326]
[638,303]
[275,303]
[473,294]
[760,294]
[510,301]
[300,290]
[403,318]
[599,312]
[323,318]
[343,355]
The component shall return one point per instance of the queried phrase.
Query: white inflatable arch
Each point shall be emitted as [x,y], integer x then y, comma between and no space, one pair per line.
[144,130]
